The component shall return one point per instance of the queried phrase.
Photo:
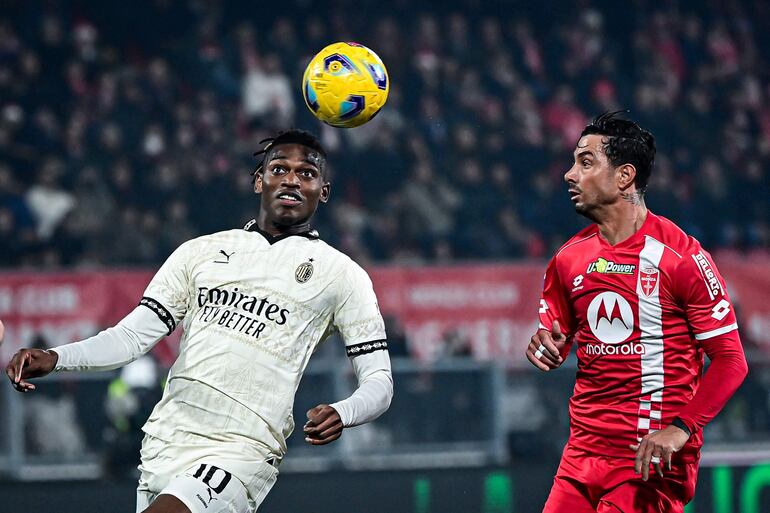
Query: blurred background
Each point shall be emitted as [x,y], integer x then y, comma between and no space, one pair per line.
[128,128]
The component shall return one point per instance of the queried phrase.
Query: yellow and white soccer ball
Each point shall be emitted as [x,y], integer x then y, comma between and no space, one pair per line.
[345,85]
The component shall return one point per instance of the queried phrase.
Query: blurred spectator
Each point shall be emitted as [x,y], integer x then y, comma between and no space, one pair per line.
[51,422]
[130,399]
[48,200]
[267,95]
[398,345]
[148,137]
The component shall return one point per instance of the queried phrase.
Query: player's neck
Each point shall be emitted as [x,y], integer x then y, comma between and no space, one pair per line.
[277,230]
[621,220]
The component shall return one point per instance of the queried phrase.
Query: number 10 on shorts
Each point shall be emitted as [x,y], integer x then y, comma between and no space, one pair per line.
[213,477]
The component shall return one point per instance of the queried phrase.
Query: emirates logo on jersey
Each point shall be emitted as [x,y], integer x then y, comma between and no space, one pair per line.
[610,318]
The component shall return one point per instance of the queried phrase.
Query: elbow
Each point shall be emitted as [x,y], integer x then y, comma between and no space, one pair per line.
[389,392]
[388,395]
[743,368]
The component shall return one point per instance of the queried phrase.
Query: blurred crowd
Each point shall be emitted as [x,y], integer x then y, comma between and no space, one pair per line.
[127,128]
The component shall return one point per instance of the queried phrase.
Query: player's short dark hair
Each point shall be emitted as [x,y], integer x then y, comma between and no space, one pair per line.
[291,136]
[625,143]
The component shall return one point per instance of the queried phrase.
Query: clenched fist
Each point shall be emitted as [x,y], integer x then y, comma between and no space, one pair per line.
[323,425]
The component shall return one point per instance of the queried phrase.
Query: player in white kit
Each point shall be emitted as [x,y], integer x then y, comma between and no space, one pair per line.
[254,303]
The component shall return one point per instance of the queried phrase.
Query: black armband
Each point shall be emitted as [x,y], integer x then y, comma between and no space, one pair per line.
[367,347]
[160,310]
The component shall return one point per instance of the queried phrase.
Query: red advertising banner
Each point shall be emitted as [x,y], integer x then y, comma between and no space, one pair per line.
[66,307]
[492,307]
[488,311]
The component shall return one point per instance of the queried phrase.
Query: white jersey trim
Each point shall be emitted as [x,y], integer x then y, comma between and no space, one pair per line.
[716,332]
[576,242]
[651,328]
[665,246]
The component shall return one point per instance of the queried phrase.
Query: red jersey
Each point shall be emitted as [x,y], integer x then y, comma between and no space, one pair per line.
[639,312]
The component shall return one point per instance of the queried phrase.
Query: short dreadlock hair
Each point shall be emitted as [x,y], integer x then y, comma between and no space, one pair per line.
[292,136]
[625,143]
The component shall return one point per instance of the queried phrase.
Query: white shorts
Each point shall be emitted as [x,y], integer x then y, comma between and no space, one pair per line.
[207,478]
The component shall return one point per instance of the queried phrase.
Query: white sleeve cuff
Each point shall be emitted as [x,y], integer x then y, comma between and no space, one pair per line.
[374,393]
[114,347]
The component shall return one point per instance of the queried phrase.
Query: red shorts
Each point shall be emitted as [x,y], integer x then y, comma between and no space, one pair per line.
[586,483]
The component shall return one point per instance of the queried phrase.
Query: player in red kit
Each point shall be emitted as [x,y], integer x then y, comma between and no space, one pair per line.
[643,302]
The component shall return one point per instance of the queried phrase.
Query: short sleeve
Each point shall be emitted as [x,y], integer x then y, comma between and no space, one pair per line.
[357,316]
[702,293]
[553,302]
[168,294]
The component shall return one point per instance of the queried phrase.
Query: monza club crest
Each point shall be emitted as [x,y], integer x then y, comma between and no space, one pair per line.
[648,280]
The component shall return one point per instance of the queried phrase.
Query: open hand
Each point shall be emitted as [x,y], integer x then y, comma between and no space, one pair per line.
[30,363]
[323,425]
[544,348]
[658,448]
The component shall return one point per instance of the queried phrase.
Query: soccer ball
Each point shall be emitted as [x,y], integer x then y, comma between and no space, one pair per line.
[345,85]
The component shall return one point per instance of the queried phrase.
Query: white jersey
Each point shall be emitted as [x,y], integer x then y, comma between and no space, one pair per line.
[254,308]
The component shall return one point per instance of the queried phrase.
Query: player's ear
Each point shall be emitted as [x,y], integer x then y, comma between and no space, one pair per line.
[625,175]
[326,190]
[258,183]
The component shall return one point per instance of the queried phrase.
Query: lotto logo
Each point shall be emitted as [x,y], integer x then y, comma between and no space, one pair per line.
[720,310]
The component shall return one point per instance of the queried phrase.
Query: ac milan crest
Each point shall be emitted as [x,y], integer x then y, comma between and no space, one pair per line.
[304,272]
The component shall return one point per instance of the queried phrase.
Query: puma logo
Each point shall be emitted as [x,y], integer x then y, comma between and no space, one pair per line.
[227,261]
[211,498]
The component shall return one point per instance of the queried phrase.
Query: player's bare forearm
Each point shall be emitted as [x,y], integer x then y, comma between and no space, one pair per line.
[30,363]
[323,425]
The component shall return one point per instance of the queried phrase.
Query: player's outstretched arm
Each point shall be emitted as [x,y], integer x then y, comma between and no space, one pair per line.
[545,347]
[114,347]
[370,400]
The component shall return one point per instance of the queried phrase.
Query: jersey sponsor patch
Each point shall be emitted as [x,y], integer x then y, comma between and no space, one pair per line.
[604,266]
[610,318]
[709,276]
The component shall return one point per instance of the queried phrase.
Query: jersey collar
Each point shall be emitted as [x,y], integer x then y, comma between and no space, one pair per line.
[251,226]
